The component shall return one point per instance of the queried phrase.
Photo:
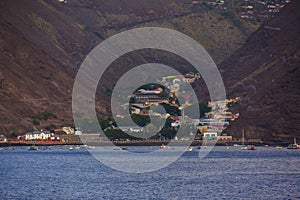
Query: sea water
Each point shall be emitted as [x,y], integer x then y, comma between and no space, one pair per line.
[267,173]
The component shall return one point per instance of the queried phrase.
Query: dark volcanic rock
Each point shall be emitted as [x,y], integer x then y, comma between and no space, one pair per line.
[43,43]
[265,72]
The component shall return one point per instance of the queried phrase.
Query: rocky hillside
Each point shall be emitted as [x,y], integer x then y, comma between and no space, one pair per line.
[265,73]
[42,44]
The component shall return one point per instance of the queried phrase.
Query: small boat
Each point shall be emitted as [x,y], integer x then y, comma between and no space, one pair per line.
[252,147]
[120,148]
[1,149]
[71,148]
[89,147]
[77,147]
[294,146]
[189,148]
[32,148]
[227,147]
[278,147]
[244,147]
[11,148]
[163,147]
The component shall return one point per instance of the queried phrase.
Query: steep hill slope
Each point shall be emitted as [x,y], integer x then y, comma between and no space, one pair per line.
[42,44]
[265,73]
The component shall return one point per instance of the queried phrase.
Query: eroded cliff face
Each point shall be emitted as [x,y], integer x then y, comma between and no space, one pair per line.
[265,73]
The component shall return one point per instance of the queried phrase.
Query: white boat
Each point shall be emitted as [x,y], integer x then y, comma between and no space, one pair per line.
[244,147]
[77,147]
[163,147]
[71,148]
[294,146]
[189,148]
[89,147]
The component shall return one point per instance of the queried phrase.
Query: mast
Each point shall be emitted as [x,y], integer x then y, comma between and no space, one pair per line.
[243,137]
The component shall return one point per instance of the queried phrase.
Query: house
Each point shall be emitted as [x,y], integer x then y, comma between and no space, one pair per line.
[224,138]
[78,132]
[68,130]
[175,124]
[3,138]
[210,136]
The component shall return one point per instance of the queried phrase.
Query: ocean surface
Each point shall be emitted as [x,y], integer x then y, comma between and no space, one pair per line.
[267,173]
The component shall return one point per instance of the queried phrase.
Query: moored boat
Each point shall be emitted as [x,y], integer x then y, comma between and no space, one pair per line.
[294,146]
[244,147]
[189,148]
[32,148]
[163,147]
[11,148]
[77,147]
[252,147]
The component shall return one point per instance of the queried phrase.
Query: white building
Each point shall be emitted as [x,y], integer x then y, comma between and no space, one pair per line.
[77,132]
[210,136]
[38,135]
[3,138]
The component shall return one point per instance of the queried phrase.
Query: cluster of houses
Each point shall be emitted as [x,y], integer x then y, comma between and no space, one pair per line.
[38,136]
[44,135]
[217,3]
[143,99]
[218,119]
[220,110]
[261,8]
[209,128]
[250,9]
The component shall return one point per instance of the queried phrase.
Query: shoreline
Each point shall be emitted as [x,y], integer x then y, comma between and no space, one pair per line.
[136,143]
